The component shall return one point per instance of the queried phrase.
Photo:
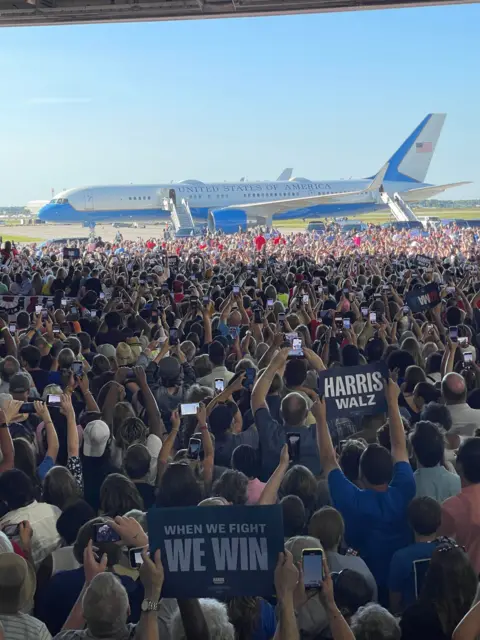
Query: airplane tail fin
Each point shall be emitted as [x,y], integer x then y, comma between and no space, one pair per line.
[377,181]
[411,160]
[285,175]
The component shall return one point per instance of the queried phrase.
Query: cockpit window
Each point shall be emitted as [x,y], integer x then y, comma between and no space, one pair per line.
[59,201]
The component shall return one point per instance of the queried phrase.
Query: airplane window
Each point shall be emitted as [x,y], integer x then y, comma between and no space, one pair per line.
[149,197]
[129,197]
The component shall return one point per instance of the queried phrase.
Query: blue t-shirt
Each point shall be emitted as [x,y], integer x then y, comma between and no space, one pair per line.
[267,624]
[407,566]
[375,521]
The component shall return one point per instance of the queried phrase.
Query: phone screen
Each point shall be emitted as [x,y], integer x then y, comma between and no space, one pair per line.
[12,328]
[105,533]
[339,322]
[364,311]
[189,409]
[296,349]
[219,385]
[373,316]
[53,400]
[194,446]
[236,289]
[312,568]
[64,302]
[406,310]
[346,323]
[135,557]
[270,303]
[454,334]
[305,298]
[173,336]
[38,308]
[77,368]
[249,378]
[468,357]
[293,443]
[281,318]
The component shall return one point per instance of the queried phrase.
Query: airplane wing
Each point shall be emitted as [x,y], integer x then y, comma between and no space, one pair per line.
[422,193]
[267,209]
[285,175]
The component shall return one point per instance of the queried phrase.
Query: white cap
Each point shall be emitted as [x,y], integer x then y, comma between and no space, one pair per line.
[95,438]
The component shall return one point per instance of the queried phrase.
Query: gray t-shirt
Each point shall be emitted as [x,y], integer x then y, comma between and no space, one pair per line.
[85,634]
[337,562]
[437,483]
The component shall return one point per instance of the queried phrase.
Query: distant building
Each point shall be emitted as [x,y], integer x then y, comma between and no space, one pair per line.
[34,206]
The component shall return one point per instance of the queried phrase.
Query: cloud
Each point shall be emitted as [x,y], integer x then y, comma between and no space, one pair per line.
[59,100]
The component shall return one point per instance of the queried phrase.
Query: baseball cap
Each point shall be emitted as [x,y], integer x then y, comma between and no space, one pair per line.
[95,438]
[107,350]
[169,368]
[19,383]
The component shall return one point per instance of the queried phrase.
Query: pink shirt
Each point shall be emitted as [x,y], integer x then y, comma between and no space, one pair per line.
[254,490]
[461,521]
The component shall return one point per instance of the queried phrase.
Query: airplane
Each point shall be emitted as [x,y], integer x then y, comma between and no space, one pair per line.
[230,205]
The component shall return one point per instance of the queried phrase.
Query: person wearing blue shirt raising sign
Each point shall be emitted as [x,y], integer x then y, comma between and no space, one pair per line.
[376,515]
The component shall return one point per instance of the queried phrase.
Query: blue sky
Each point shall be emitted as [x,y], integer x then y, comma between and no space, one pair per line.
[332,95]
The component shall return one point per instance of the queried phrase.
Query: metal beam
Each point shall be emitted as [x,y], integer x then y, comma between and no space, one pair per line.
[51,12]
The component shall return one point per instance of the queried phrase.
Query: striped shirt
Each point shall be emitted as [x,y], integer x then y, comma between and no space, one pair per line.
[20,626]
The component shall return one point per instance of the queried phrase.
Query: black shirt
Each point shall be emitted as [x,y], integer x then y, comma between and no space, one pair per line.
[147,491]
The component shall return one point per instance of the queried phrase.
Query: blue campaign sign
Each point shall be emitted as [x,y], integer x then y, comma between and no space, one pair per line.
[354,390]
[217,552]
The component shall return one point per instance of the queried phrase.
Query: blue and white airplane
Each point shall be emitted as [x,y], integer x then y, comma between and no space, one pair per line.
[239,204]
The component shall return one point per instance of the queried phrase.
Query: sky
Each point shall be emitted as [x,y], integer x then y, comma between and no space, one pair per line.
[332,95]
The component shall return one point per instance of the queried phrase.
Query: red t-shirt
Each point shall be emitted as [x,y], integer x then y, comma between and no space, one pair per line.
[260,242]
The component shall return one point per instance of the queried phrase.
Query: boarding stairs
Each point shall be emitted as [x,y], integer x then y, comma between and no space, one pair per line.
[400,209]
[181,217]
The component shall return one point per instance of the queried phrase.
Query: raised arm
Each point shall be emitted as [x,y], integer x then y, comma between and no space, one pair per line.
[168,445]
[6,444]
[264,382]
[43,413]
[84,386]
[397,432]
[286,579]
[469,627]
[208,448]
[155,421]
[270,490]
[326,450]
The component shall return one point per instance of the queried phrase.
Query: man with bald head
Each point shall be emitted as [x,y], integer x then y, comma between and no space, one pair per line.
[294,411]
[464,419]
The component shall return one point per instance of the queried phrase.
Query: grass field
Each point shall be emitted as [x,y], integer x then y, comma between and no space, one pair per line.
[384,216]
[18,238]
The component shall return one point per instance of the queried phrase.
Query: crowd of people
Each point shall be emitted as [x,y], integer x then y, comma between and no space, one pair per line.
[169,373]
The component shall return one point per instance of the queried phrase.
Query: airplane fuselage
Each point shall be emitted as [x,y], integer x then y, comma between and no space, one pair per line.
[146,202]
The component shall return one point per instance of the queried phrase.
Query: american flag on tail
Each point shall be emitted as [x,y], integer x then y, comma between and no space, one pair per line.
[424,147]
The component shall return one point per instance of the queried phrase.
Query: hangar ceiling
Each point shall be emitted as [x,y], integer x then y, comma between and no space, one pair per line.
[50,12]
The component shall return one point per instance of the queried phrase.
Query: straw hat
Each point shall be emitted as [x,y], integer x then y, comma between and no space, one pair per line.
[17,583]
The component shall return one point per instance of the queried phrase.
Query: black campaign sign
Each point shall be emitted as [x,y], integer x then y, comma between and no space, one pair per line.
[354,390]
[423,298]
[214,552]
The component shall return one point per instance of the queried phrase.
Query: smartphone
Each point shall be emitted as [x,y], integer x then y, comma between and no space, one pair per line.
[293,443]
[194,446]
[296,351]
[281,318]
[257,315]
[12,328]
[290,337]
[56,329]
[373,317]
[206,299]
[189,409]
[250,374]
[463,342]
[27,407]
[346,323]
[454,334]
[386,287]
[102,295]
[173,336]
[339,322]
[429,327]
[236,289]
[234,332]
[305,298]
[364,311]
[270,303]
[93,313]
[63,302]
[406,310]
[104,533]
[77,368]
[135,557]
[11,530]
[312,563]
[468,357]
[154,316]
[219,385]
[74,311]
[451,290]
[53,401]
[38,308]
